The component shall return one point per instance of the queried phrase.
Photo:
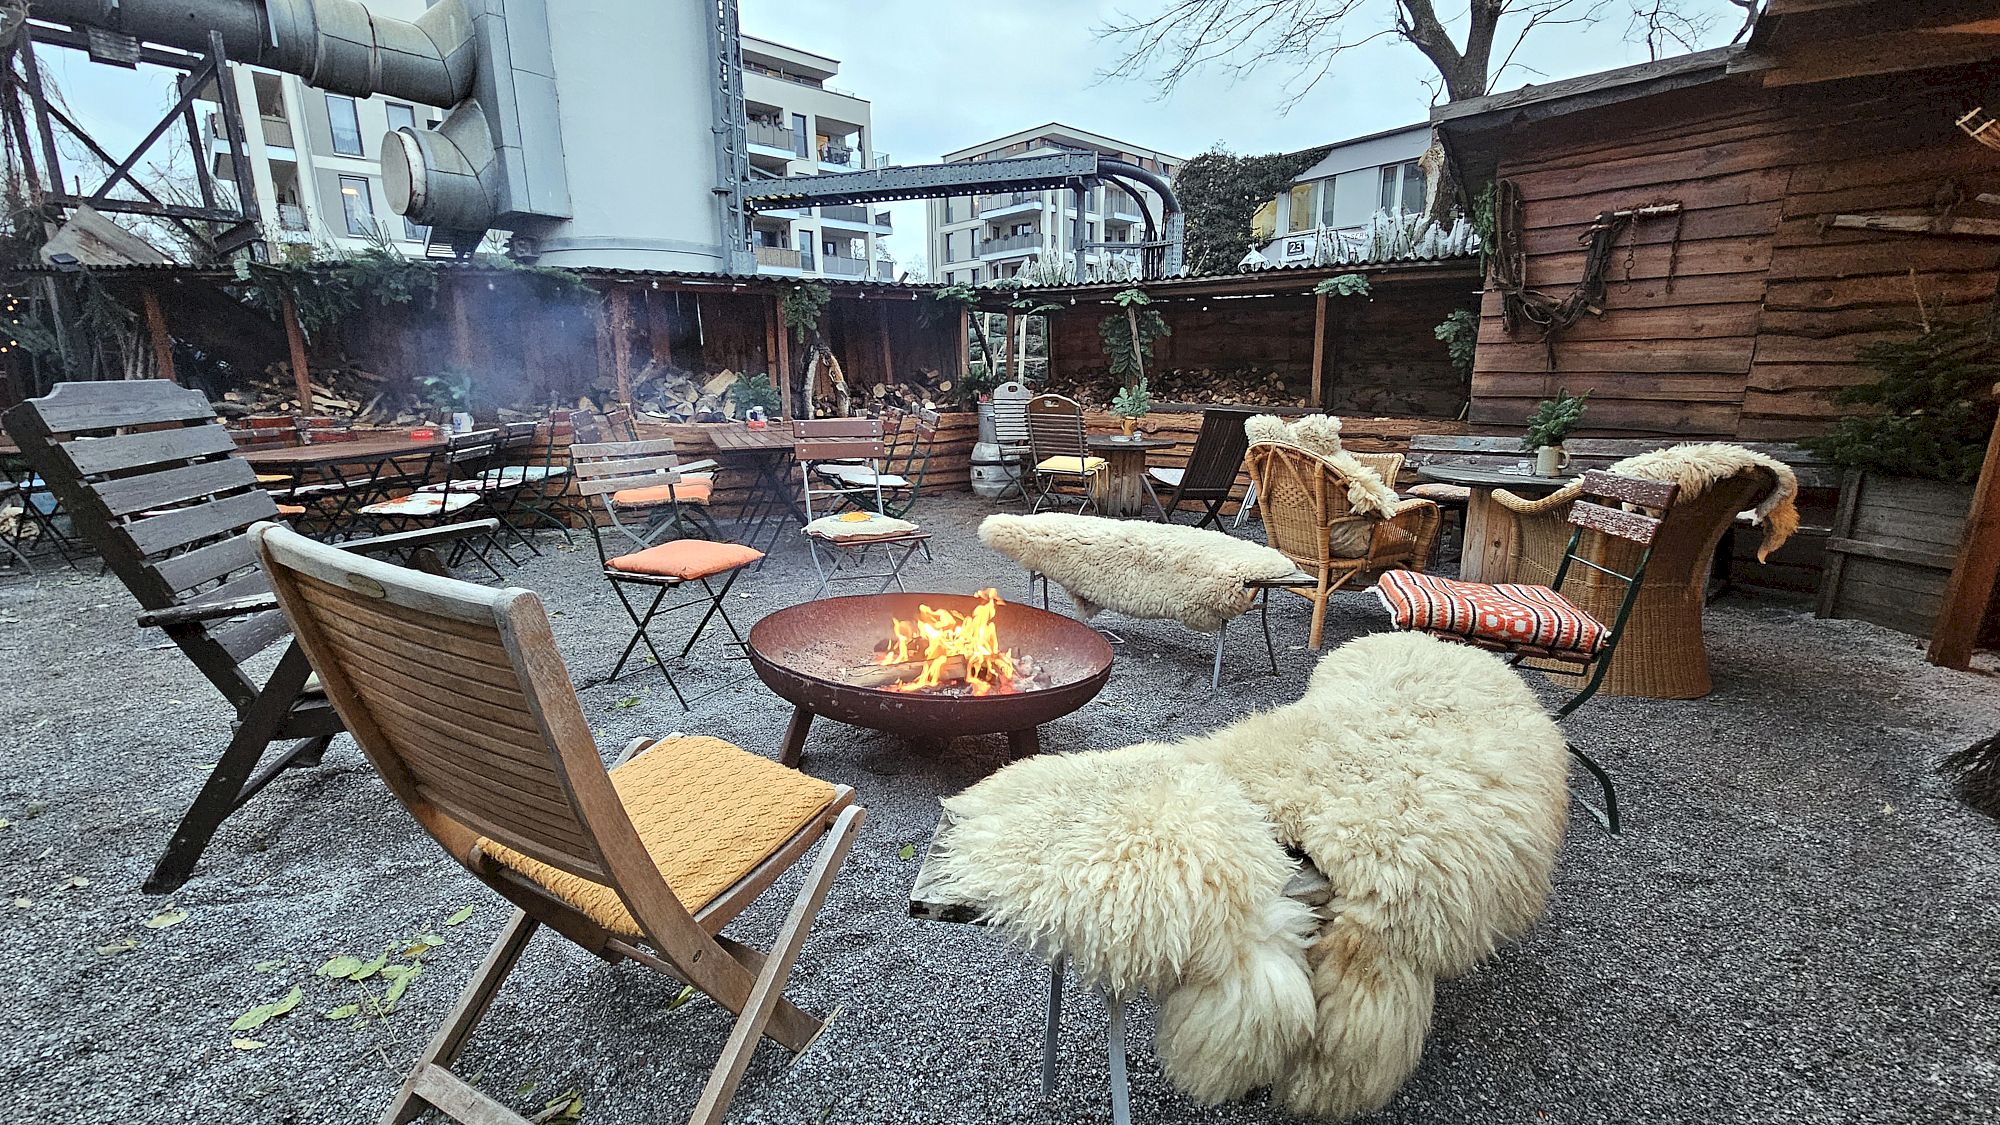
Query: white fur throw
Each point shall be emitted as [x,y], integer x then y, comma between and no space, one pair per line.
[1197,577]
[1697,466]
[1422,777]
[1367,493]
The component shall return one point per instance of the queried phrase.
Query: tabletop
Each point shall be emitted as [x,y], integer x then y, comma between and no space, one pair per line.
[376,447]
[1120,441]
[742,439]
[1474,476]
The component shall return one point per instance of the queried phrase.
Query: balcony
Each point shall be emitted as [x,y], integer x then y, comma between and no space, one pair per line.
[779,257]
[839,156]
[1013,243]
[773,136]
[852,216]
[885,271]
[291,216]
[277,132]
[884,223]
[1006,201]
[844,267]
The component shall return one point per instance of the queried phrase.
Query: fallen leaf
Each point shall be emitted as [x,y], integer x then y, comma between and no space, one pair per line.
[370,968]
[398,985]
[463,915]
[563,1109]
[907,851]
[683,996]
[5,823]
[247,1044]
[24,902]
[628,701]
[345,1011]
[267,966]
[124,945]
[171,916]
[264,1013]
[72,882]
[340,966]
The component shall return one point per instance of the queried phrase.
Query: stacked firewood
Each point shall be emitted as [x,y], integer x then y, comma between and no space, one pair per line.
[1192,385]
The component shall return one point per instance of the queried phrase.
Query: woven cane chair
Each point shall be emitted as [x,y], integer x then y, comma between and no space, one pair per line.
[1609,547]
[1664,655]
[459,698]
[1209,478]
[1059,451]
[1303,500]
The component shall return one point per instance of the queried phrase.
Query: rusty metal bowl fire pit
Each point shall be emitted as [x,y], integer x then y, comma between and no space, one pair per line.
[805,654]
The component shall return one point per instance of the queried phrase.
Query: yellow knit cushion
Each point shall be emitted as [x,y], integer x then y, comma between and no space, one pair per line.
[708,811]
[1071,464]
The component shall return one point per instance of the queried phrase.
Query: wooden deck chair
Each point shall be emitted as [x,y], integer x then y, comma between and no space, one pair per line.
[1209,478]
[458,696]
[148,478]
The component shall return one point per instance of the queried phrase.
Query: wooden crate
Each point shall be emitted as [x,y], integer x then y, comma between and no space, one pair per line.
[1893,544]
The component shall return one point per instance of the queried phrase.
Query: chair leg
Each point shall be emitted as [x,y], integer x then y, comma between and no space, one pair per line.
[1607,818]
[641,636]
[1215,677]
[1319,599]
[1121,1088]
[1264,614]
[765,993]
[451,1036]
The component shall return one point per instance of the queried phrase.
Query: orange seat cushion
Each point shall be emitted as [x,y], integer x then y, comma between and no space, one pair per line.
[708,812]
[689,490]
[291,511]
[687,559]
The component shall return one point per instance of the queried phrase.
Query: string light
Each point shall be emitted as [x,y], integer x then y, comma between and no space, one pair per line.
[10,311]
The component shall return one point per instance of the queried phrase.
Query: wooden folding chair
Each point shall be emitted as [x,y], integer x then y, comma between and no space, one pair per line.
[1539,622]
[461,460]
[148,477]
[1010,431]
[651,483]
[458,696]
[836,537]
[1209,478]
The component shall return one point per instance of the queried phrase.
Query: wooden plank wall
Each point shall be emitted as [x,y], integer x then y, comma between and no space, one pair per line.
[1763,309]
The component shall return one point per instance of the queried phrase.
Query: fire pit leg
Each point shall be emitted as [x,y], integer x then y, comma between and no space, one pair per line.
[795,737]
[1024,743]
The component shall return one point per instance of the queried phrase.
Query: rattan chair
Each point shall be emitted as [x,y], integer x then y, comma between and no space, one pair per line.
[1059,452]
[1663,655]
[458,697]
[1303,500]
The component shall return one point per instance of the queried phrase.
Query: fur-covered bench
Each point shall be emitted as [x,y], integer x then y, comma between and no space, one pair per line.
[1162,572]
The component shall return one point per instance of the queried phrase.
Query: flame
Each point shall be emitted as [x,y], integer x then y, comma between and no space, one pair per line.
[939,635]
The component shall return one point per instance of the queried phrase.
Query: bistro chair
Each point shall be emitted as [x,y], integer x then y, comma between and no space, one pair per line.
[655,487]
[1209,478]
[1541,622]
[912,437]
[1308,516]
[1010,431]
[13,512]
[458,696]
[461,461]
[1060,452]
[148,479]
[853,524]
[609,469]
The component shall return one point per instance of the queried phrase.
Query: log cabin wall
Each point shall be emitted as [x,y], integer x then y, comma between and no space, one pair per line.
[1739,318]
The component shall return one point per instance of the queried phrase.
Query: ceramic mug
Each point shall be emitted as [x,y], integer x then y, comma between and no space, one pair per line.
[1550,460]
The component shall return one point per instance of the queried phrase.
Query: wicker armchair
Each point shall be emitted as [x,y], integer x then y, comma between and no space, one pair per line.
[1302,498]
[1662,656]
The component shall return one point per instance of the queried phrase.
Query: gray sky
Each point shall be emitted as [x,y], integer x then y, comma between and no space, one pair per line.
[943,74]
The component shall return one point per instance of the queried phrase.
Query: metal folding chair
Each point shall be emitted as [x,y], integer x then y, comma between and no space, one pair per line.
[835,537]
[1010,431]
[462,459]
[654,485]
[1059,452]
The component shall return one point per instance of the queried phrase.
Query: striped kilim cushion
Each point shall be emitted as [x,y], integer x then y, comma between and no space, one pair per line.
[1501,616]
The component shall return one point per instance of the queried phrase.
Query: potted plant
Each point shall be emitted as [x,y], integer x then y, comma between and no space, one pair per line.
[452,393]
[753,393]
[1552,421]
[1131,404]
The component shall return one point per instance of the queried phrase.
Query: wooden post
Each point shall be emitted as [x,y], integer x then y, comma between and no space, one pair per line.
[156,327]
[461,326]
[964,348]
[1007,352]
[882,326]
[621,341]
[1319,351]
[295,341]
[783,376]
[1968,594]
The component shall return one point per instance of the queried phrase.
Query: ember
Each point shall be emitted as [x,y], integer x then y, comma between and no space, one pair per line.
[953,647]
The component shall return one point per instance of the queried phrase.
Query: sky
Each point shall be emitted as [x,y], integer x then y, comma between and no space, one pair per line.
[944,74]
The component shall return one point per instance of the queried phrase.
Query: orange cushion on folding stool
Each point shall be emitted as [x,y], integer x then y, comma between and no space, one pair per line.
[687,558]
[291,510]
[690,490]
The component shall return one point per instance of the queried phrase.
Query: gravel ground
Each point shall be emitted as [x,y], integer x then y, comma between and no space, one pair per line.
[1798,924]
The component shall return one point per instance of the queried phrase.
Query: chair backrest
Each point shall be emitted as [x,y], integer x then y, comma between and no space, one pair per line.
[1055,428]
[145,473]
[1217,455]
[619,424]
[1301,497]
[459,698]
[838,439]
[1388,466]
[515,437]
[604,467]
[1010,413]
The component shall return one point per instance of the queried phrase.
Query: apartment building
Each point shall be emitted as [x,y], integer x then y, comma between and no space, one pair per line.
[974,239]
[800,126]
[1335,198]
[316,158]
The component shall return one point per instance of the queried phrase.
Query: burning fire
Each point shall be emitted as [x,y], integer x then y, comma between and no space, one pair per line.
[954,646]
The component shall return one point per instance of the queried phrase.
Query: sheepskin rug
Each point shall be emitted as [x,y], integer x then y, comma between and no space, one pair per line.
[1421,777]
[1367,493]
[1198,577]
[1698,466]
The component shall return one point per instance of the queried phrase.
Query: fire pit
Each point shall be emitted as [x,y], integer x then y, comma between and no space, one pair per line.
[928,664]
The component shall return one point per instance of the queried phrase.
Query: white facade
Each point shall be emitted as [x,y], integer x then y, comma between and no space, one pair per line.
[800,126]
[1337,197]
[976,239]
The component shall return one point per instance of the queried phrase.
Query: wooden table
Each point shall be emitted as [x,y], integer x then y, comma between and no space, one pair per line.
[770,452]
[1486,550]
[321,455]
[1122,492]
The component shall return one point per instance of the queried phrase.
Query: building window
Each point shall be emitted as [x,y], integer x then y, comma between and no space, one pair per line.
[947,210]
[806,260]
[950,251]
[799,135]
[1403,187]
[358,204]
[341,113]
[1349,200]
[1299,208]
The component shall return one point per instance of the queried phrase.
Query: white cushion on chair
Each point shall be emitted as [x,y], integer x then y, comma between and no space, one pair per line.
[845,527]
[421,504]
[1169,477]
[861,476]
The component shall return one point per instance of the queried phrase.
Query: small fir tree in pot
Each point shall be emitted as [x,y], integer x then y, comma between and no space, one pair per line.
[1552,421]
[1131,404]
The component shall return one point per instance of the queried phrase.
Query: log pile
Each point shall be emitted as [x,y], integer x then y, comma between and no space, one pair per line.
[349,393]
[1244,387]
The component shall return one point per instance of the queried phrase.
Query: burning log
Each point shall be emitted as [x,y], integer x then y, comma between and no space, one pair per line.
[884,675]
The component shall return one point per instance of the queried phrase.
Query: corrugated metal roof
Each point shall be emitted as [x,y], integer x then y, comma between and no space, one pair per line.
[228,273]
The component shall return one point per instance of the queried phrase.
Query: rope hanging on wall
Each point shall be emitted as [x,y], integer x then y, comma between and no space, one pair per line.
[1521,305]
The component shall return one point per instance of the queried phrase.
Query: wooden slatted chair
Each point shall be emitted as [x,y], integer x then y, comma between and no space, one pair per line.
[148,477]
[1209,478]
[1059,452]
[1303,500]
[841,539]
[653,484]
[1613,541]
[1010,431]
[458,696]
